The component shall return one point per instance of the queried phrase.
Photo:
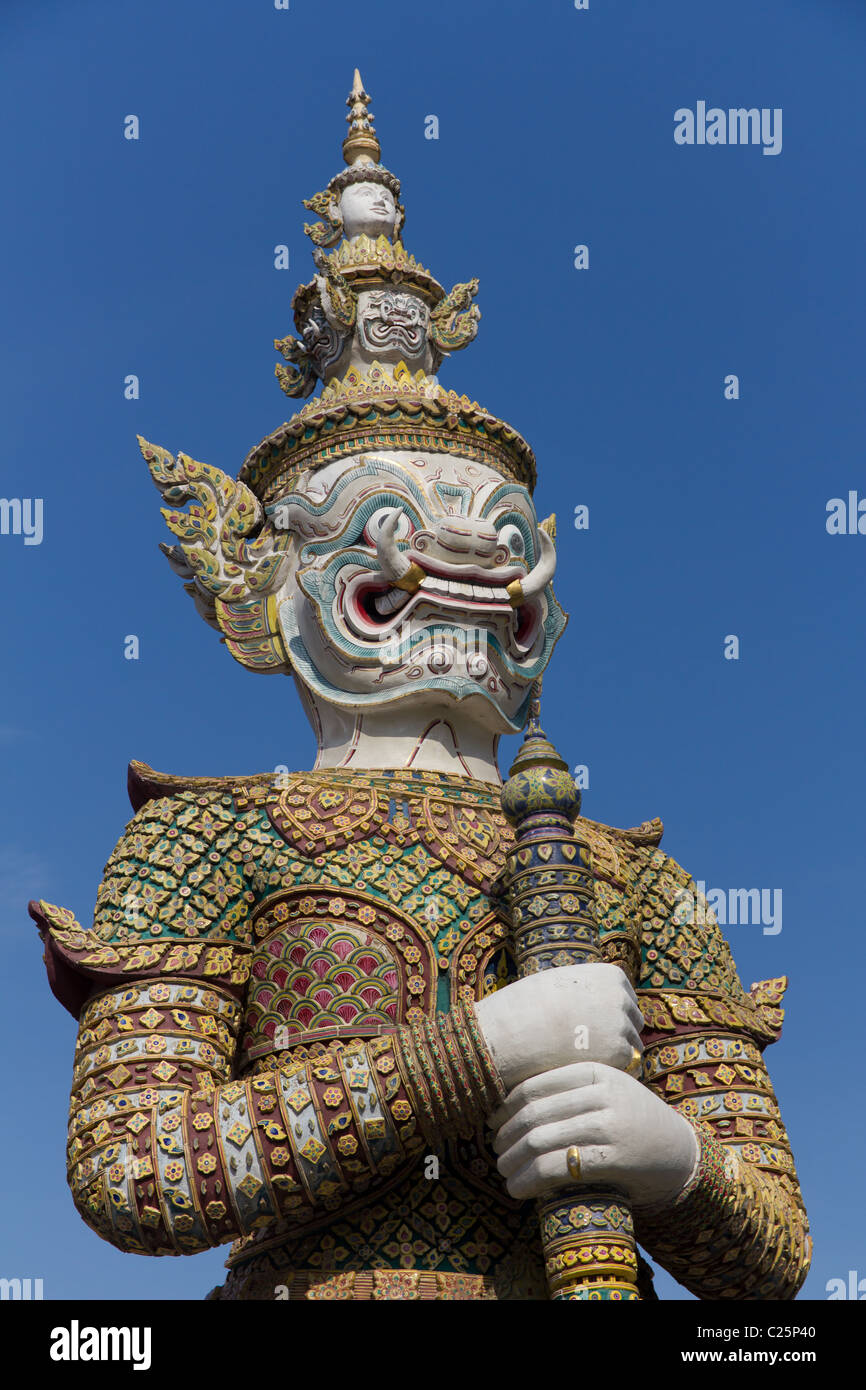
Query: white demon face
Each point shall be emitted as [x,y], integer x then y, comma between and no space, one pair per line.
[417,573]
[392,327]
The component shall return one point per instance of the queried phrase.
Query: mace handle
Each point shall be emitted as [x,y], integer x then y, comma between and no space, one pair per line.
[586,1230]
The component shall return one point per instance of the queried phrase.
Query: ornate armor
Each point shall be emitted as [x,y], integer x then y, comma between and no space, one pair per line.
[252,955]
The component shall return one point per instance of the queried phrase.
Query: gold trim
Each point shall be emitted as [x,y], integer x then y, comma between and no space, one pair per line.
[514,590]
[412,579]
[380,1284]
[387,409]
[635,1066]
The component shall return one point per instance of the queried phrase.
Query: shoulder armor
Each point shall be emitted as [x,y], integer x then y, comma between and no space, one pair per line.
[80,965]
[683,945]
[188,866]
[649,832]
[145,784]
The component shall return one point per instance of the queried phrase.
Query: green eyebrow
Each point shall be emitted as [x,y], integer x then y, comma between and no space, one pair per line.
[509,490]
[367,470]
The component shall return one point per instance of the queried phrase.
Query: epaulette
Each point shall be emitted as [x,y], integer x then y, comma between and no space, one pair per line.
[145,784]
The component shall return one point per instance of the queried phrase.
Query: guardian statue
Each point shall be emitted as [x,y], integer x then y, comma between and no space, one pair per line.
[393,1030]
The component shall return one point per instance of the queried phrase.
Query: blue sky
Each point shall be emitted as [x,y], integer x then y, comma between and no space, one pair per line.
[707,515]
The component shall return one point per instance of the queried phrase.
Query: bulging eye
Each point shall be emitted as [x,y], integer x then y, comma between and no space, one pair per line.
[511,538]
[371,530]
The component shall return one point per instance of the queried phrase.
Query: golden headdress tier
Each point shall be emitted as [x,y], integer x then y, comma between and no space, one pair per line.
[384,407]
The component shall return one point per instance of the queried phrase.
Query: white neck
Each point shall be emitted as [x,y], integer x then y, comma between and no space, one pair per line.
[434,737]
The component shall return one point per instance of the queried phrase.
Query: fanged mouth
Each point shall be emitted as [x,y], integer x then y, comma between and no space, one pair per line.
[374,608]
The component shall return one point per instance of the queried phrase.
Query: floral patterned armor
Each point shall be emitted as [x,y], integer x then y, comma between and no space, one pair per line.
[278,1040]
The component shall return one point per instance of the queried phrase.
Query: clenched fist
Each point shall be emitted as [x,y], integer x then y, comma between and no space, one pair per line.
[586,1013]
[626,1135]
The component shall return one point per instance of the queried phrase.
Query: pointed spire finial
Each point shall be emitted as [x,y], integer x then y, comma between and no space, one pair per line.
[360,145]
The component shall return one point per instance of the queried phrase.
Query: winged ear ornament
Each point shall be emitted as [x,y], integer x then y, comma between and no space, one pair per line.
[231,561]
[337,297]
[454,321]
[330,229]
[298,379]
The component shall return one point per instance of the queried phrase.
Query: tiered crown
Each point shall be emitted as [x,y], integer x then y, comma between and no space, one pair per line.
[374,326]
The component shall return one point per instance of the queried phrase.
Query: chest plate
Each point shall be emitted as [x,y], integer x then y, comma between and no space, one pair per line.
[333,965]
[383,908]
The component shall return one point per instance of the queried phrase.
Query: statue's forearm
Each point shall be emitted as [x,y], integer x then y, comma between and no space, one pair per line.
[141,1052]
[739,1229]
[185,1169]
[733,1233]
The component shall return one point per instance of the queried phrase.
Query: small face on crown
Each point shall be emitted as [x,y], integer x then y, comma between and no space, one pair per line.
[392,327]
[368,209]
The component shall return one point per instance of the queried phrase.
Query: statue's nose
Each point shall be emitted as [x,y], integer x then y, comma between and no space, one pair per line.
[459,541]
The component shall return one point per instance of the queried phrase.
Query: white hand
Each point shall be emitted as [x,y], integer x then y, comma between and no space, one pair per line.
[626,1135]
[586,1013]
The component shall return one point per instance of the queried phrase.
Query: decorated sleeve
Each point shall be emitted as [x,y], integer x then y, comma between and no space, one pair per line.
[733,1233]
[739,1230]
[169,1155]
[167,1169]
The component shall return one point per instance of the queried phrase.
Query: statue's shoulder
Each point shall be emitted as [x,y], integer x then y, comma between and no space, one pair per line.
[177,890]
[685,952]
[620,854]
[646,835]
[686,968]
[144,784]
[189,863]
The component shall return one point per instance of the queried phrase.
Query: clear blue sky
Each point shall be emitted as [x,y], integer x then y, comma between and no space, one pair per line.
[707,516]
